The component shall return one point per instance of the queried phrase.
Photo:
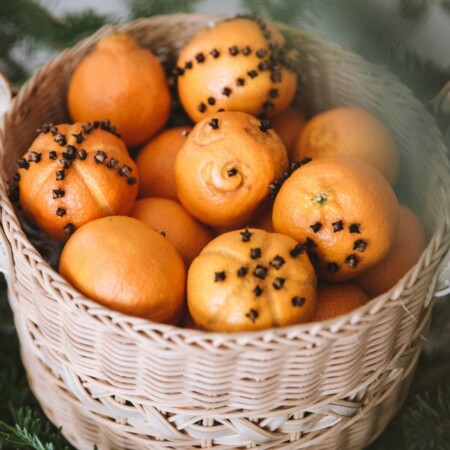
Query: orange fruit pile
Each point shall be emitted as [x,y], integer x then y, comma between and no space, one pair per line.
[251,214]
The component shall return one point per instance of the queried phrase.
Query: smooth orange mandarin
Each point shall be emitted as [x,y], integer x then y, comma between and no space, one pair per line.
[156,163]
[233,66]
[224,170]
[335,299]
[180,228]
[350,131]
[289,125]
[124,82]
[409,243]
[342,210]
[127,266]
[248,280]
[74,176]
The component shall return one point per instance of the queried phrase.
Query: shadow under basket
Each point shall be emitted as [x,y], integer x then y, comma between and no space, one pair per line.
[125,383]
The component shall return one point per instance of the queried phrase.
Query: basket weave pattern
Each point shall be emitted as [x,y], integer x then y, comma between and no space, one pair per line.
[122,382]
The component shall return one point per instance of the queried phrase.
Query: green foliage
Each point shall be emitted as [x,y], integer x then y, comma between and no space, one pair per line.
[30,26]
[427,422]
[29,431]
[300,12]
[148,8]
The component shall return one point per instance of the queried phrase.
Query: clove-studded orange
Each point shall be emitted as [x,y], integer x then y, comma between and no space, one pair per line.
[121,80]
[224,170]
[239,64]
[249,279]
[342,210]
[74,173]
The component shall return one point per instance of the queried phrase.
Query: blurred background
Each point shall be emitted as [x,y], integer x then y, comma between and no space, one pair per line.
[409,37]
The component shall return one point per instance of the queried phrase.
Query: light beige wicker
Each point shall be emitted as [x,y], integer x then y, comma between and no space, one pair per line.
[121,382]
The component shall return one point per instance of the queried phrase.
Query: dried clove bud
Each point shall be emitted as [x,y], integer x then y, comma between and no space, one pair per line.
[211,101]
[252,314]
[337,226]
[332,267]
[298,301]
[125,171]
[240,82]
[34,157]
[261,53]
[246,235]
[112,163]
[52,155]
[60,139]
[246,50]
[22,163]
[60,212]
[360,245]
[60,175]
[214,123]
[58,193]
[200,57]
[265,125]
[255,253]
[69,229]
[278,283]
[226,91]
[260,272]
[277,262]
[299,249]
[201,107]
[258,290]
[352,261]
[214,53]
[234,50]
[100,157]
[316,227]
[132,180]
[252,73]
[79,138]
[219,276]
[82,154]
[242,271]
[354,228]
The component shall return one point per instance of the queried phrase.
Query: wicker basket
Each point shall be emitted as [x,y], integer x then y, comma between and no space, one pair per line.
[122,382]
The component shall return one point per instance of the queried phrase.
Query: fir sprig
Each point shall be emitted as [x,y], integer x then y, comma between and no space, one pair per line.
[30,432]
[427,422]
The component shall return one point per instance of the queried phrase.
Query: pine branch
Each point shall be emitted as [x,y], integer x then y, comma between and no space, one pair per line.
[31,433]
[295,13]
[427,422]
[148,8]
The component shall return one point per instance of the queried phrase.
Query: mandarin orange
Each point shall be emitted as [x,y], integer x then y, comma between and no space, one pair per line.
[74,173]
[335,299]
[251,280]
[156,163]
[409,243]
[342,210]
[349,131]
[127,266]
[124,82]
[224,170]
[236,66]
[289,125]
[167,216]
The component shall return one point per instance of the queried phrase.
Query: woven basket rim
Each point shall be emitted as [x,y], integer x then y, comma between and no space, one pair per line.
[98,311]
